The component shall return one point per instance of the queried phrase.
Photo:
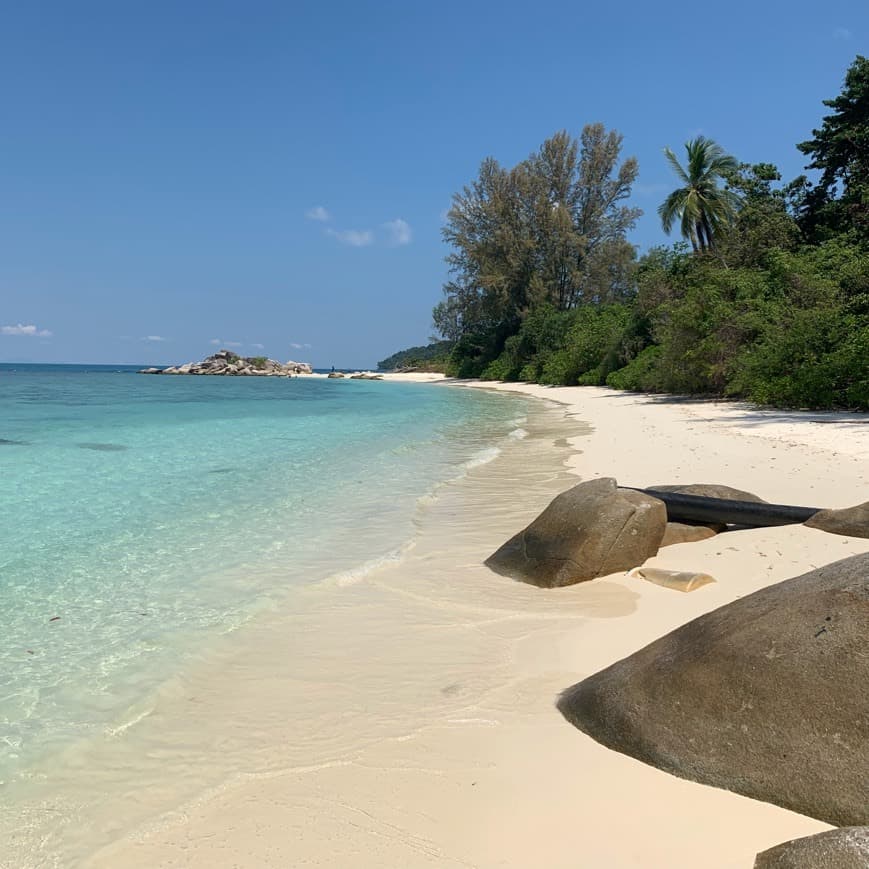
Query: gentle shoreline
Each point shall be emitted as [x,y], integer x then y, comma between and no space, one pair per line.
[448,674]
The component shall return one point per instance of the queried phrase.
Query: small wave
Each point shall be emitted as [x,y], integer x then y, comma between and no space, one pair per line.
[483,457]
[354,575]
[132,722]
[518,434]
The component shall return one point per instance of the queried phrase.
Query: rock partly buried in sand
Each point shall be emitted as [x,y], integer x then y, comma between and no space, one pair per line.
[335,374]
[766,696]
[680,532]
[591,530]
[705,490]
[851,521]
[845,848]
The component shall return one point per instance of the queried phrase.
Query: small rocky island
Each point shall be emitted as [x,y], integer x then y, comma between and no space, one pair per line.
[227,363]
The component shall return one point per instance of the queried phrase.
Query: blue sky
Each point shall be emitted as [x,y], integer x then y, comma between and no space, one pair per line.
[273,175]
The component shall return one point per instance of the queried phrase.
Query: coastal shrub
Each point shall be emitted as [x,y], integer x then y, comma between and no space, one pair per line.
[258,361]
[641,374]
[819,359]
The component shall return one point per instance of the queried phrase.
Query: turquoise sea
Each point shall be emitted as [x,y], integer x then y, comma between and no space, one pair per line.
[143,517]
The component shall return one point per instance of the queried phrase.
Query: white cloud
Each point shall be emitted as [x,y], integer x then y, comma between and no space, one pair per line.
[299,346]
[353,237]
[30,331]
[259,346]
[318,213]
[399,232]
[841,33]
[153,338]
[215,341]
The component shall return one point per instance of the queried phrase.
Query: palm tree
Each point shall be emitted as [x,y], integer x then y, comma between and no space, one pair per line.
[701,206]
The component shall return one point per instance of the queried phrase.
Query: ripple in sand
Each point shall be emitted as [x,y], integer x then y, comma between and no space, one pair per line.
[5,442]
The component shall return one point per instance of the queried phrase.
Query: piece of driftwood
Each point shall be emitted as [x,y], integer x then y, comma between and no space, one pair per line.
[698,508]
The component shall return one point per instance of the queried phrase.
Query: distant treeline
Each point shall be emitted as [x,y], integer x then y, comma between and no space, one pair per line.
[767,297]
[431,357]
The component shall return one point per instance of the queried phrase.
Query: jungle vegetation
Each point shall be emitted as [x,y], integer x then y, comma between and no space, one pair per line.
[766,297]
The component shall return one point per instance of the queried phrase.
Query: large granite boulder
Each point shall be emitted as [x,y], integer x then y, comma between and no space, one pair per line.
[850,521]
[591,530]
[845,848]
[767,696]
[706,490]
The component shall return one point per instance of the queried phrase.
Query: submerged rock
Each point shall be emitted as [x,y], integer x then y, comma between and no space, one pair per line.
[591,530]
[845,848]
[767,696]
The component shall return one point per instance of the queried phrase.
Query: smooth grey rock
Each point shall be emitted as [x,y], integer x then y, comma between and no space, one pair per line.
[767,696]
[845,848]
[850,521]
[591,530]
[335,374]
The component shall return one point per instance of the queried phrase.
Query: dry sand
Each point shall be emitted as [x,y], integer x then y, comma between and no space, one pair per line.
[422,730]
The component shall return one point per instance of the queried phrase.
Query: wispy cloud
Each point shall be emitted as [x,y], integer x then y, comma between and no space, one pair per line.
[352,237]
[219,342]
[29,331]
[215,341]
[398,231]
[318,213]
[259,346]
[299,346]
[841,33]
[154,339]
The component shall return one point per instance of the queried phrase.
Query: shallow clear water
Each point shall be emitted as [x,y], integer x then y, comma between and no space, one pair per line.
[140,517]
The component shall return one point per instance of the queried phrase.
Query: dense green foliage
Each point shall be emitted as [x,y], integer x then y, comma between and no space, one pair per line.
[431,357]
[770,301]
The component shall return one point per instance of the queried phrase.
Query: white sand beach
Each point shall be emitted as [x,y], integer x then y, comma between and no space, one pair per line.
[422,730]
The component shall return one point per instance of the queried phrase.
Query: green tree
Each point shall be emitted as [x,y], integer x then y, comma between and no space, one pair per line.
[702,208]
[840,150]
[552,229]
